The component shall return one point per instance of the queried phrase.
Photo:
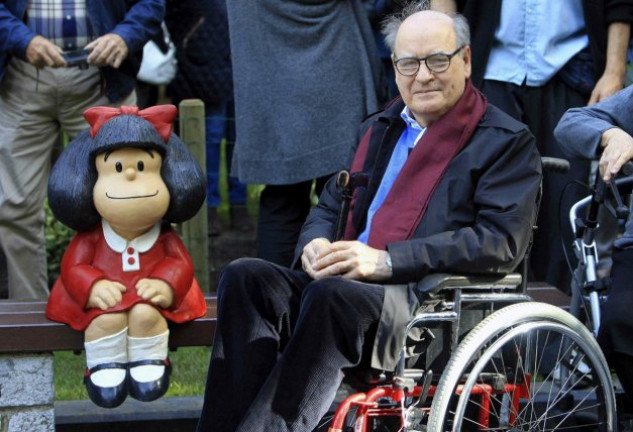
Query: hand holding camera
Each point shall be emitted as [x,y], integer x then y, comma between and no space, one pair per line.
[77,58]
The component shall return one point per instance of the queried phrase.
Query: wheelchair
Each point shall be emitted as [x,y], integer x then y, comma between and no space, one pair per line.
[505,363]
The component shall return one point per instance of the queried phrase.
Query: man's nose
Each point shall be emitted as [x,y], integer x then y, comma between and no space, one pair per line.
[130,173]
[424,73]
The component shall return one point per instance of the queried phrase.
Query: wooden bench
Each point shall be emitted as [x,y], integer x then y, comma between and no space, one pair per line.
[27,343]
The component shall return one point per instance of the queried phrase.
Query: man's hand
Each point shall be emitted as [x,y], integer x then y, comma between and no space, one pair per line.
[618,150]
[41,52]
[156,291]
[349,259]
[107,50]
[105,294]
[607,86]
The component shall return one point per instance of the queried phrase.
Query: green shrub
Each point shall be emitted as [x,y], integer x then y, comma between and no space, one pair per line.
[57,237]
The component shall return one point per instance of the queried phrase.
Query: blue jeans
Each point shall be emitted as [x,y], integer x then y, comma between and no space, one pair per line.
[220,124]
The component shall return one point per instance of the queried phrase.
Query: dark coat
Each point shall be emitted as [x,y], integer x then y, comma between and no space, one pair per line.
[484,16]
[479,219]
[305,74]
[200,31]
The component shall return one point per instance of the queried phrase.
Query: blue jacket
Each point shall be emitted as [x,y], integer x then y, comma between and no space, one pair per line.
[135,21]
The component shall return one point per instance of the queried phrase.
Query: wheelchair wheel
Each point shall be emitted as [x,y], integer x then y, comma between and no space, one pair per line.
[527,367]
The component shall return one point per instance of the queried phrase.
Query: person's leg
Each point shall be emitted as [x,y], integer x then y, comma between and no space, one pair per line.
[282,211]
[617,325]
[337,316]
[560,190]
[215,130]
[215,123]
[623,366]
[28,133]
[257,309]
[240,218]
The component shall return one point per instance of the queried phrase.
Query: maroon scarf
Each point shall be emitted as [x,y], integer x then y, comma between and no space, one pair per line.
[406,202]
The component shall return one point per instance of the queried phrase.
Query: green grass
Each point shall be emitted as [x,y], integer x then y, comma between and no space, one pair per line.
[189,373]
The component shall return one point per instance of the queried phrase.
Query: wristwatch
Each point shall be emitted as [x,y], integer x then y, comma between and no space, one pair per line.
[389,263]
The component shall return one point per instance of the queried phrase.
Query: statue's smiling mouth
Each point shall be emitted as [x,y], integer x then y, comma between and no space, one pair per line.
[133,197]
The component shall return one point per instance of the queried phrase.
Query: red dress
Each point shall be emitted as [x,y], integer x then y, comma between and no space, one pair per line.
[90,258]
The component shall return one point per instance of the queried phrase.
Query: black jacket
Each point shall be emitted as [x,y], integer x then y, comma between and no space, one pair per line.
[484,16]
[479,219]
[200,31]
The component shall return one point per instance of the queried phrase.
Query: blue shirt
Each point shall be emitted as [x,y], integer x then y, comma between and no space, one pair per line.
[535,39]
[411,135]
[63,22]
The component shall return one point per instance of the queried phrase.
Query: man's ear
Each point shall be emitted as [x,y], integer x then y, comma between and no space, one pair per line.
[467,57]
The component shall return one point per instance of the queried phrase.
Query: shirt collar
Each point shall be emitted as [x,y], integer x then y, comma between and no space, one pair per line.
[142,243]
[409,120]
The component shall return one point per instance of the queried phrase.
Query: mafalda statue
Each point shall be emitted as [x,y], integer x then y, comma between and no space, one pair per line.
[121,184]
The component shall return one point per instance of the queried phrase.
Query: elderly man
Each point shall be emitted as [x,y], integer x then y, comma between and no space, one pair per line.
[452,184]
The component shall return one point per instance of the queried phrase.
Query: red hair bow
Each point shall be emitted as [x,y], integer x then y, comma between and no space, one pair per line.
[160,116]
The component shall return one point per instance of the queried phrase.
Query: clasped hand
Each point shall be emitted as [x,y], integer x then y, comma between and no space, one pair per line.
[107,50]
[349,259]
[106,294]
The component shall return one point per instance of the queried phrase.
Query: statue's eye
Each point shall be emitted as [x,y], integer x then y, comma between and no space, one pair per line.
[140,165]
[118,167]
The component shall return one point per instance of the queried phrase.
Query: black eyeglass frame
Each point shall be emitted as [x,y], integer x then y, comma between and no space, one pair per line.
[426,63]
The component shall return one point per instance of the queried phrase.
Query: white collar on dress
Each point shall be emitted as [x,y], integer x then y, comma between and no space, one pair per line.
[142,243]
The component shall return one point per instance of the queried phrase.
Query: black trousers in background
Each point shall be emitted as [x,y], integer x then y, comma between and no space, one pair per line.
[282,211]
[541,108]
[281,343]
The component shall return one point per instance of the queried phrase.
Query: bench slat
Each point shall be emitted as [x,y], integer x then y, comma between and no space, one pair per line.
[25,329]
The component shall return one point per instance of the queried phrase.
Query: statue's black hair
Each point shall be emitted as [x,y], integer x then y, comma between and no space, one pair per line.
[74,175]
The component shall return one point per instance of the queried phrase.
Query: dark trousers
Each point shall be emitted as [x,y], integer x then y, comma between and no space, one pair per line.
[281,345]
[282,211]
[541,108]
[617,322]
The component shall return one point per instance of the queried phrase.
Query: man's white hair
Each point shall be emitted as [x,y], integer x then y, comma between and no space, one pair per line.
[391,24]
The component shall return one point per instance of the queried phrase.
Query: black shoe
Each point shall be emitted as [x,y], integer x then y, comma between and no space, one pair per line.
[152,390]
[106,397]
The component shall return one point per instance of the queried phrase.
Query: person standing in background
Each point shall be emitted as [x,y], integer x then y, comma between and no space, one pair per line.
[305,74]
[535,59]
[199,28]
[40,97]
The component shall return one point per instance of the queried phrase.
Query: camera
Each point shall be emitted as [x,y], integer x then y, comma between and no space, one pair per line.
[76,58]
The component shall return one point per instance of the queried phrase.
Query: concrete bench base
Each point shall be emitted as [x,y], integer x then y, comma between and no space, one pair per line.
[27,393]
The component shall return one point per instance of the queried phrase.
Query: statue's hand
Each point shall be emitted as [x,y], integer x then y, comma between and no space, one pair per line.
[105,294]
[156,291]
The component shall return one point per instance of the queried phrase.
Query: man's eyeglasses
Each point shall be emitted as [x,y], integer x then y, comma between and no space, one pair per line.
[436,63]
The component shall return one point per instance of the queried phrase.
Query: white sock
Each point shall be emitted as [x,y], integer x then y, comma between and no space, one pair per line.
[108,349]
[149,348]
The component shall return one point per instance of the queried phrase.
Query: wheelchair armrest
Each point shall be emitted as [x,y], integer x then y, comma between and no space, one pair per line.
[434,283]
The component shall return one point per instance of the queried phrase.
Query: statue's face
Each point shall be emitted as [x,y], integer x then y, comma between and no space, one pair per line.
[130,193]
